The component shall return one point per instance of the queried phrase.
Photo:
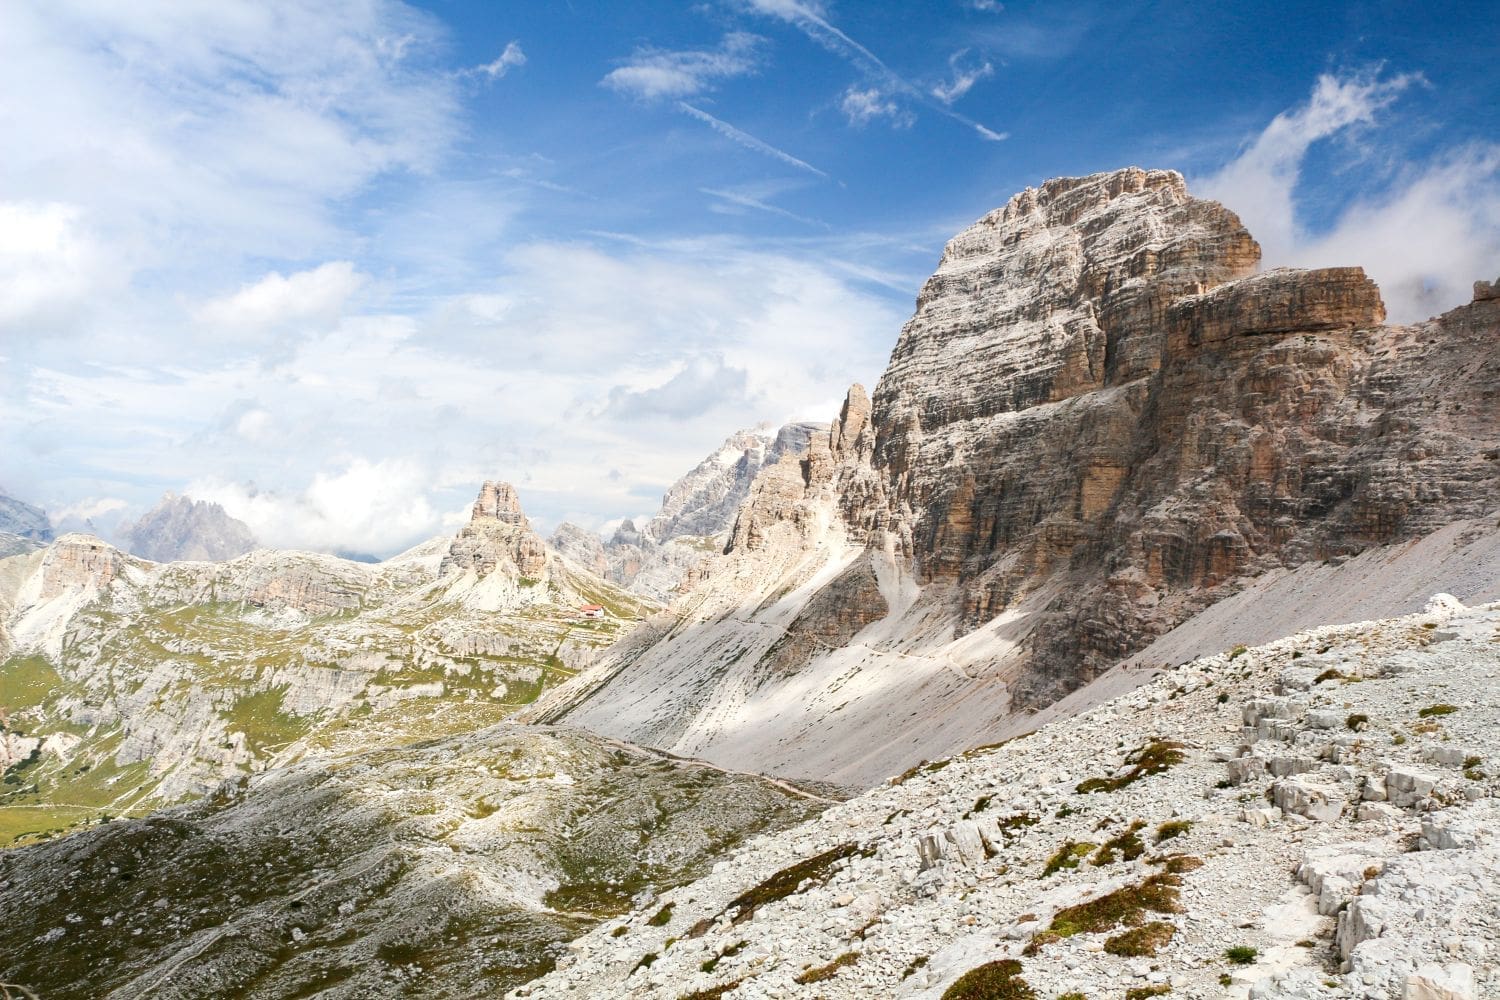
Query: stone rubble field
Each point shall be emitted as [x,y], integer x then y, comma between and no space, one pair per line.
[1314,817]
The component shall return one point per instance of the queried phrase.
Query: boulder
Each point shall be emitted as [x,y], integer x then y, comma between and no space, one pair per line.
[1304,798]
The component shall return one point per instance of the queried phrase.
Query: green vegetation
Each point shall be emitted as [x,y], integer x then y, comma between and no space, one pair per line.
[1141,942]
[260,717]
[1146,992]
[1173,828]
[787,881]
[1127,845]
[1240,954]
[1472,770]
[1439,709]
[1331,674]
[712,993]
[1067,857]
[1153,758]
[992,981]
[822,972]
[662,918]
[1126,906]
[26,682]
[1238,651]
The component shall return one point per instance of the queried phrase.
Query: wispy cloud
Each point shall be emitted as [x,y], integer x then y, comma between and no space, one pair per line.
[502,64]
[987,6]
[966,73]
[810,19]
[1424,237]
[862,105]
[754,197]
[747,140]
[660,73]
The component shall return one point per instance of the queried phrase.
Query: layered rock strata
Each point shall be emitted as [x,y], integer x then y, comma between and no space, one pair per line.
[1100,421]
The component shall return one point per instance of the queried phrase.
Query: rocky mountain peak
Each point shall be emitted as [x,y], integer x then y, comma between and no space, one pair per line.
[180,528]
[499,501]
[497,536]
[1101,420]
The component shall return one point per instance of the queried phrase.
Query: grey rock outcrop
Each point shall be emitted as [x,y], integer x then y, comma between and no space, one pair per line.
[497,535]
[181,528]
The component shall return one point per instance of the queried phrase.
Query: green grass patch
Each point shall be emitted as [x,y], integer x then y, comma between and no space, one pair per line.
[1439,709]
[816,869]
[1143,941]
[1153,758]
[992,981]
[1127,845]
[1240,954]
[1173,828]
[1067,857]
[822,972]
[1125,907]
[26,682]
[662,918]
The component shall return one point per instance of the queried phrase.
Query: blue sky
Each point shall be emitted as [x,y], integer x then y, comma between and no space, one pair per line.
[334,264]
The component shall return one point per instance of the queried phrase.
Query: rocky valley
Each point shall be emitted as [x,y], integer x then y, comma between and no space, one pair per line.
[1094,653]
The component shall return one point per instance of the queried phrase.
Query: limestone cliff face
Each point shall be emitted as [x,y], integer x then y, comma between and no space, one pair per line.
[497,534]
[1098,393]
[1100,420]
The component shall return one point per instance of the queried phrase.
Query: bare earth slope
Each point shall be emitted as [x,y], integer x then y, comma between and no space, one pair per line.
[1099,422]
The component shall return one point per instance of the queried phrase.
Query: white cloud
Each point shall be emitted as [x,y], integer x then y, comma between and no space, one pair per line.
[364,506]
[49,263]
[965,74]
[660,73]
[195,136]
[746,139]
[811,19]
[503,63]
[700,387]
[1259,183]
[864,105]
[986,6]
[1424,237]
[316,296]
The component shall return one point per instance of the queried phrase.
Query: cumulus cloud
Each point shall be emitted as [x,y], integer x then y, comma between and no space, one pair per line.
[659,73]
[363,505]
[49,263]
[864,105]
[1424,236]
[317,295]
